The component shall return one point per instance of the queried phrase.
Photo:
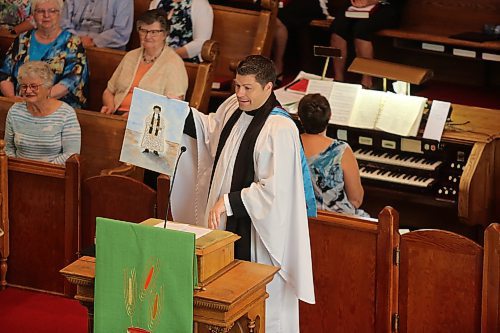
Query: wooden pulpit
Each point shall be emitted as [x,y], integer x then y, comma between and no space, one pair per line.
[230,296]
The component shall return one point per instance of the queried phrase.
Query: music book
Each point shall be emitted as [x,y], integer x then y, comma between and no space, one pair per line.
[154,131]
[354,106]
[298,86]
[360,12]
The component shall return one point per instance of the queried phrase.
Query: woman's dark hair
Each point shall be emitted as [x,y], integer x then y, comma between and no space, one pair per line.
[314,113]
[152,16]
[157,107]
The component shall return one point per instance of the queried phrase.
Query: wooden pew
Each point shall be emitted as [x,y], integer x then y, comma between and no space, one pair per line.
[120,198]
[241,32]
[434,21]
[102,64]
[490,309]
[102,137]
[104,61]
[354,273]
[43,212]
[440,283]
[4,217]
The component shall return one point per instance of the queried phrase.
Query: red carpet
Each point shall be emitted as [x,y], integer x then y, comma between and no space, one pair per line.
[23,311]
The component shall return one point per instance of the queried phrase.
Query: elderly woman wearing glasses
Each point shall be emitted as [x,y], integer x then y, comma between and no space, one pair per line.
[59,48]
[154,67]
[40,128]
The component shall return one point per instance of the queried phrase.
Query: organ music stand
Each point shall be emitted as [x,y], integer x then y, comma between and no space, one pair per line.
[390,70]
[327,52]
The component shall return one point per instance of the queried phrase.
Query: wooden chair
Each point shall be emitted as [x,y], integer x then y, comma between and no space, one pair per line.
[490,312]
[121,198]
[353,272]
[4,217]
[44,220]
[439,283]
[241,32]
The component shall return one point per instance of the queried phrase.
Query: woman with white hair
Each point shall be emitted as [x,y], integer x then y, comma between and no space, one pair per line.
[40,128]
[59,48]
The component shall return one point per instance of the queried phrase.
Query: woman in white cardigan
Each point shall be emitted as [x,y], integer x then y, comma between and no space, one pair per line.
[154,67]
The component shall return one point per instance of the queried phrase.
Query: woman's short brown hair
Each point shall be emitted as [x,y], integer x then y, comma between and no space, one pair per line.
[152,16]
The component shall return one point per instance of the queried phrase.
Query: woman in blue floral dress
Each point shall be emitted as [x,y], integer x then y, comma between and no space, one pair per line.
[334,170]
[59,48]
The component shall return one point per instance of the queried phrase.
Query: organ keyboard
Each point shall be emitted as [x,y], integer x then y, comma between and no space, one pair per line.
[408,164]
[454,180]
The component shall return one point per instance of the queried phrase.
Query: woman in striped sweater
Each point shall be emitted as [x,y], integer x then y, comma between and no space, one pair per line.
[41,127]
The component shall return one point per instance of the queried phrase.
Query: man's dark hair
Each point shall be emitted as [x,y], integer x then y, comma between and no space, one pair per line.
[152,16]
[314,113]
[260,66]
[157,107]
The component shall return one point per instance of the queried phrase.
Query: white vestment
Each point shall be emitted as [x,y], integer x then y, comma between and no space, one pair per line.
[275,202]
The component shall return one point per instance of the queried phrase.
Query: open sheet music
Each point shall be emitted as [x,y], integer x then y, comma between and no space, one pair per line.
[356,107]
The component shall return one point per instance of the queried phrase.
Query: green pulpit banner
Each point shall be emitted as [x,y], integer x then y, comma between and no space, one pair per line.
[144,279]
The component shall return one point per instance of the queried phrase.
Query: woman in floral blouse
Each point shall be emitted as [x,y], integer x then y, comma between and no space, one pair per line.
[191,23]
[59,48]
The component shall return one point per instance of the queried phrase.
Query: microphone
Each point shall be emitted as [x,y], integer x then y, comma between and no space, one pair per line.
[183,149]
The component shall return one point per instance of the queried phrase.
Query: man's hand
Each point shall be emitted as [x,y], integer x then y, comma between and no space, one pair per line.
[214,215]
[87,41]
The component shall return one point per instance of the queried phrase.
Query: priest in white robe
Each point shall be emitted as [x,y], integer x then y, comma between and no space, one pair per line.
[251,180]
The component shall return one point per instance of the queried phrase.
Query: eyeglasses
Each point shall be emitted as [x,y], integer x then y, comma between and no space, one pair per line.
[145,32]
[32,86]
[48,12]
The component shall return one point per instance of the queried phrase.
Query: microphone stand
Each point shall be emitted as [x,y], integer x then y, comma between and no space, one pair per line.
[183,149]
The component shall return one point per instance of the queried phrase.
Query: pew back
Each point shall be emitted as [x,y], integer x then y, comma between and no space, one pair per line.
[102,64]
[121,198]
[140,7]
[353,273]
[102,137]
[490,310]
[439,282]
[4,216]
[43,211]
[241,32]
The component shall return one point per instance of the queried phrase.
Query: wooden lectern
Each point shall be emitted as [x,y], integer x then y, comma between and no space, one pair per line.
[230,296]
